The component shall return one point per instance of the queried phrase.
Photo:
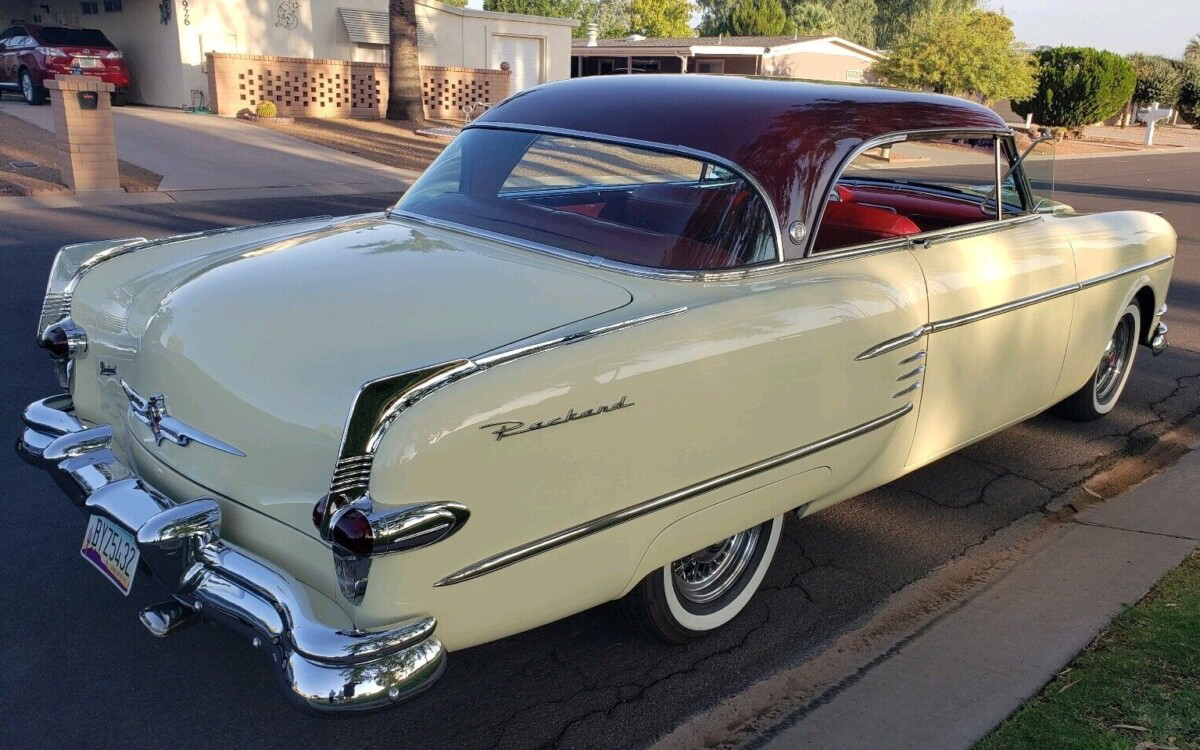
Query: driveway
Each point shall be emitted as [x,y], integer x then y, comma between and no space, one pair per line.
[207,152]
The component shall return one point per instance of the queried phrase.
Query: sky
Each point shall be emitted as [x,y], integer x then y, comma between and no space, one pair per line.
[1154,26]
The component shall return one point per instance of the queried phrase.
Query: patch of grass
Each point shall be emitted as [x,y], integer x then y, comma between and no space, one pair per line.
[1136,687]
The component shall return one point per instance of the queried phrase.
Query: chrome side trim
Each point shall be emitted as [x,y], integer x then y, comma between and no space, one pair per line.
[912,373]
[988,312]
[776,225]
[916,386]
[596,525]
[376,407]
[893,344]
[1125,271]
[505,355]
[914,358]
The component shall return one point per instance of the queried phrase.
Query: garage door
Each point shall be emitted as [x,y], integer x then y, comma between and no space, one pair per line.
[524,56]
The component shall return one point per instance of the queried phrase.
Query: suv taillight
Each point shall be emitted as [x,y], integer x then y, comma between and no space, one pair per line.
[52,52]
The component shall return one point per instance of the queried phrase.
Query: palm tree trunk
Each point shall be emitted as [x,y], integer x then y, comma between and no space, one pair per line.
[404,75]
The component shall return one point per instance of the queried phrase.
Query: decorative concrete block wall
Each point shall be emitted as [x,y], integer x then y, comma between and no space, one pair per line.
[301,87]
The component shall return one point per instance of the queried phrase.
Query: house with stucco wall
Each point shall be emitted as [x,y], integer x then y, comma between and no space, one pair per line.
[165,42]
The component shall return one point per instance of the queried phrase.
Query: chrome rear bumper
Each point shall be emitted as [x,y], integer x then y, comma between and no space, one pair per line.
[322,667]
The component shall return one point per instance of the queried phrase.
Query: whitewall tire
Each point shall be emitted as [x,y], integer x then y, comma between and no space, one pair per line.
[706,589]
[1102,391]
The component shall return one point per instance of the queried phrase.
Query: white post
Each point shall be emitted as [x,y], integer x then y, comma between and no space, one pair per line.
[1029,121]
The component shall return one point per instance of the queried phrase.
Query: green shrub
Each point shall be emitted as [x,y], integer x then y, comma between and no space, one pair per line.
[1078,86]
[1158,80]
[1189,92]
[266,109]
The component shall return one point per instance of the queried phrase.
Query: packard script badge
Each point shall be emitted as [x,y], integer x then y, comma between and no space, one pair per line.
[508,429]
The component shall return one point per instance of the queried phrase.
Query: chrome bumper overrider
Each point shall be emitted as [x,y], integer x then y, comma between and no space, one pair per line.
[322,667]
[1158,339]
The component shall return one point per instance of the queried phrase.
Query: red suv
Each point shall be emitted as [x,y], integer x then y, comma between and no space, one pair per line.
[29,55]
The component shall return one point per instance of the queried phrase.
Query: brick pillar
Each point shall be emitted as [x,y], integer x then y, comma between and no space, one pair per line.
[83,128]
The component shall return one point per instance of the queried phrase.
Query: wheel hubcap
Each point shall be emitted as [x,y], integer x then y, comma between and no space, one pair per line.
[707,574]
[1115,360]
[27,86]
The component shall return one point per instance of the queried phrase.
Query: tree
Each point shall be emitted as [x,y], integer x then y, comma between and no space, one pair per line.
[1191,53]
[813,19]
[614,17]
[661,18]
[969,53]
[405,101]
[577,9]
[714,16]
[757,18]
[855,20]
[895,18]
[1158,80]
[1077,86]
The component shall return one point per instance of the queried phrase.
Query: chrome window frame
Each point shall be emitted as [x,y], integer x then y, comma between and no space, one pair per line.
[683,151]
[925,238]
[782,264]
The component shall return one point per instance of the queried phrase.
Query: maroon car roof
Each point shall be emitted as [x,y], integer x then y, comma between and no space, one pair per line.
[789,135]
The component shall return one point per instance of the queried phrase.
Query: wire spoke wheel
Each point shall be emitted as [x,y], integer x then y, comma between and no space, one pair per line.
[1115,361]
[707,574]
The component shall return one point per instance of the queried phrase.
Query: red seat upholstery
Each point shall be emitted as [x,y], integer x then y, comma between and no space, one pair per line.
[847,224]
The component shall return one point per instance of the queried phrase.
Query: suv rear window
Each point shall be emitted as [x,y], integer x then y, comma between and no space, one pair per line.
[58,36]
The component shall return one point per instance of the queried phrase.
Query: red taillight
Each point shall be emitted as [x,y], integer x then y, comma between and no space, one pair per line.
[319,511]
[352,532]
[56,342]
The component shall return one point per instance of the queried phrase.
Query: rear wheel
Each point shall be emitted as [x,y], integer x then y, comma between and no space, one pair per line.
[1099,395]
[32,93]
[702,591]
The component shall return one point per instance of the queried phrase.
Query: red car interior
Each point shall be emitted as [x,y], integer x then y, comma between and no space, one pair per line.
[865,213]
[577,232]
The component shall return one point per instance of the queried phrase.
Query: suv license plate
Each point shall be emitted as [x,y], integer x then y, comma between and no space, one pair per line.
[88,62]
[112,550]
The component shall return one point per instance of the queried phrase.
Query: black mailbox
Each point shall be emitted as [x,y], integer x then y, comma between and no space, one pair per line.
[88,99]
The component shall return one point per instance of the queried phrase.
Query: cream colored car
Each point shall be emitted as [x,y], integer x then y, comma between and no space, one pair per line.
[595,353]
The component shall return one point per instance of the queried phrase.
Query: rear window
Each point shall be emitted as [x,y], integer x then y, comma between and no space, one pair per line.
[58,36]
[622,203]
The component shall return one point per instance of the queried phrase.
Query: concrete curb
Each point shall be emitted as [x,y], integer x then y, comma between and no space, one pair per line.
[967,671]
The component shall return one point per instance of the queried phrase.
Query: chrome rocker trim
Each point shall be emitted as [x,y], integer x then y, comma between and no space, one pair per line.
[322,668]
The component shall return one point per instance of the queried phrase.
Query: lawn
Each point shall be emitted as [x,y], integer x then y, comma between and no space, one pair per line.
[1137,686]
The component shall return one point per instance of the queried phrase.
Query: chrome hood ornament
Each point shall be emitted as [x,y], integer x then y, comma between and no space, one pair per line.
[152,412]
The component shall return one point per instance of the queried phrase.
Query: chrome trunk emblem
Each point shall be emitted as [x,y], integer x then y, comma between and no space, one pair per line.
[152,412]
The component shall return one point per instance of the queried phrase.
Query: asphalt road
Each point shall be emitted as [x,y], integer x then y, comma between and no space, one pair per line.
[77,669]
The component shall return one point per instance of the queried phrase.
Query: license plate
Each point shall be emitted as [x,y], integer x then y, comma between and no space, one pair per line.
[88,62]
[112,550]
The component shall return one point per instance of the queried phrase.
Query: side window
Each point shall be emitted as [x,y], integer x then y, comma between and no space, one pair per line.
[917,186]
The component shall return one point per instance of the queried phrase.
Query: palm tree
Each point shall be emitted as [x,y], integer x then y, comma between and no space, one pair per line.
[404,76]
[1191,53]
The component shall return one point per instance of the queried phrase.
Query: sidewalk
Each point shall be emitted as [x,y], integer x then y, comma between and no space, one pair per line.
[966,671]
[207,153]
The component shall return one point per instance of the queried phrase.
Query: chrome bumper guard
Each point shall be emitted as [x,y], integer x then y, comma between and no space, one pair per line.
[321,667]
[1158,339]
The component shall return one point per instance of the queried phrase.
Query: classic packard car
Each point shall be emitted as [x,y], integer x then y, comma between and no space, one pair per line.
[616,331]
